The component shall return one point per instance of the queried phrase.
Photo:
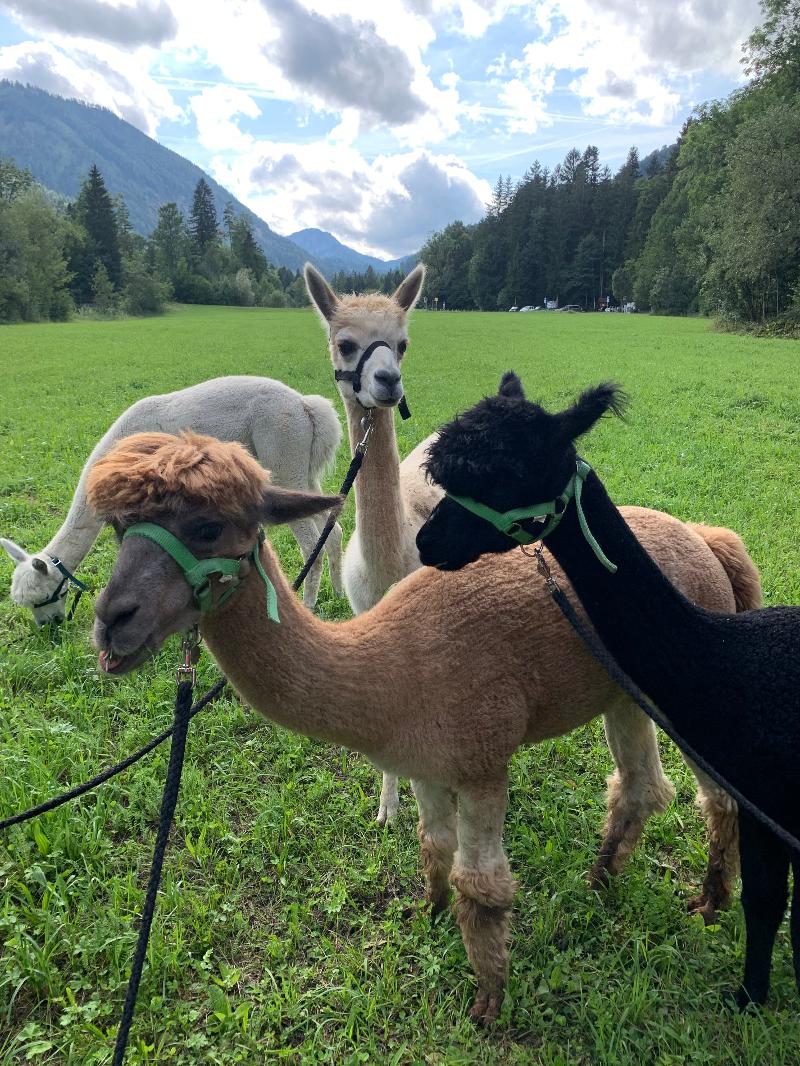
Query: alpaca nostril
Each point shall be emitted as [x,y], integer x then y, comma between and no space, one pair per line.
[389,379]
[121,619]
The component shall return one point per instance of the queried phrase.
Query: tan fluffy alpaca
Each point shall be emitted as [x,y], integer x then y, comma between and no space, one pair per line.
[465,666]
[393,499]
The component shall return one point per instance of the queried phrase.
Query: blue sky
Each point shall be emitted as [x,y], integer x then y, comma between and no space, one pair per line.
[382,120]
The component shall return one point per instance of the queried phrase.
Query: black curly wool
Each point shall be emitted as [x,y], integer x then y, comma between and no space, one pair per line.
[729,683]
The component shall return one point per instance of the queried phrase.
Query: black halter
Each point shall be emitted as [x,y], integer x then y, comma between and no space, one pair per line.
[68,579]
[354,376]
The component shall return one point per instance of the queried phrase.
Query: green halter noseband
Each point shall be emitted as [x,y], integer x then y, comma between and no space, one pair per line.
[509,522]
[198,572]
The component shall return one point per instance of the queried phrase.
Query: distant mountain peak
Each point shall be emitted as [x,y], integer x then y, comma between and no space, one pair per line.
[323,245]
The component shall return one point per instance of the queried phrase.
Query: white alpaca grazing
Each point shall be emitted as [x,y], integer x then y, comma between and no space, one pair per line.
[293,436]
[393,499]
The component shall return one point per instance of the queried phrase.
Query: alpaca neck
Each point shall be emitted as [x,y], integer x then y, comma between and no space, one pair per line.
[644,621]
[78,532]
[380,513]
[303,673]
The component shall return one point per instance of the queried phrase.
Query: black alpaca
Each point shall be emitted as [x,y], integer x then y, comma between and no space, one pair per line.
[729,683]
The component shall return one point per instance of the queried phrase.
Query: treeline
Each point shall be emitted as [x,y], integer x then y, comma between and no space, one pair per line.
[713,227]
[58,257]
[368,280]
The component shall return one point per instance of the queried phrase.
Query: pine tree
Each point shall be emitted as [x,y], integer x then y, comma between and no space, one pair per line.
[169,240]
[203,224]
[128,240]
[102,290]
[94,211]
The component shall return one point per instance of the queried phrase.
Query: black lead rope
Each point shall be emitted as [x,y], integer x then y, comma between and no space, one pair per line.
[355,465]
[183,714]
[111,771]
[617,674]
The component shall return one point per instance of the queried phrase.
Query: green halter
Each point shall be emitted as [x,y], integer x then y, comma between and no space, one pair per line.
[508,522]
[198,572]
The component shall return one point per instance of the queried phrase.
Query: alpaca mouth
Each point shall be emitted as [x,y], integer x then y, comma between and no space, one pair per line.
[108,663]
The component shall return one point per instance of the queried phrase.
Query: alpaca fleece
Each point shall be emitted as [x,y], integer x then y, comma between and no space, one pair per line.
[147,472]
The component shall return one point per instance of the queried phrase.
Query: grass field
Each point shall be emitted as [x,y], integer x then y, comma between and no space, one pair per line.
[286,928]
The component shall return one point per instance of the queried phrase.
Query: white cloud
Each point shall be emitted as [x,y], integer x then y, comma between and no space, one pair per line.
[93,73]
[385,207]
[633,59]
[215,109]
[525,109]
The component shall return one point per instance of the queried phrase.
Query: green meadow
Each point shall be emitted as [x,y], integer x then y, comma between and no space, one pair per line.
[287,928]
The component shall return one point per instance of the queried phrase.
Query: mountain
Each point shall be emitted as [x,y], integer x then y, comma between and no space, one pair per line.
[57,140]
[321,245]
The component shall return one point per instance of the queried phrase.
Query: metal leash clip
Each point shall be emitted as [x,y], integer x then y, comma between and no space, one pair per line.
[366,425]
[191,656]
[544,569]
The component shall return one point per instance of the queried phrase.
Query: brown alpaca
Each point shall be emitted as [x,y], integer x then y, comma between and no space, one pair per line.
[466,666]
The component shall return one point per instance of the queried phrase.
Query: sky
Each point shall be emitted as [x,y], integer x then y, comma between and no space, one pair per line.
[382,121]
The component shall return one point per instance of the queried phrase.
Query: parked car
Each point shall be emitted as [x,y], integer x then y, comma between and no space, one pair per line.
[527,307]
[571,307]
[514,308]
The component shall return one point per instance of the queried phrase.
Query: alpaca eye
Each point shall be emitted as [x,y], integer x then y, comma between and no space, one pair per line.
[208,532]
[401,348]
[347,348]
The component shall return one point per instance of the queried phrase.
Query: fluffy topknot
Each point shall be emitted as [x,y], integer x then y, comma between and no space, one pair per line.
[147,473]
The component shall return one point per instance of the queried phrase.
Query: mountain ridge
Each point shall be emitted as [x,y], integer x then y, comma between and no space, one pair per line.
[57,140]
[320,243]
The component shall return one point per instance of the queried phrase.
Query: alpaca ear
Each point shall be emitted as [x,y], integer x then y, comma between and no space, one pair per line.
[19,555]
[511,386]
[279,506]
[407,292]
[322,295]
[39,565]
[589,408]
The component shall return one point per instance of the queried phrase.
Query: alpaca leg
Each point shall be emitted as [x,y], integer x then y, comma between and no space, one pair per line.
[722,819]
[306,534]
[437,839]
[795,922]
[636,789]
[333,549]
[484,894]
[765,872]
[390,800]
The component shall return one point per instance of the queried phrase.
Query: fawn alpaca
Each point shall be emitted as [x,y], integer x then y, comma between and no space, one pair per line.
[729,683]
[324,679]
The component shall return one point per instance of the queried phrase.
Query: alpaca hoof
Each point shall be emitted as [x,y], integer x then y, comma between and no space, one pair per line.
[705,907]
[386,814]
[486,1008]
[743,1000]
[599,877]
[438,904]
